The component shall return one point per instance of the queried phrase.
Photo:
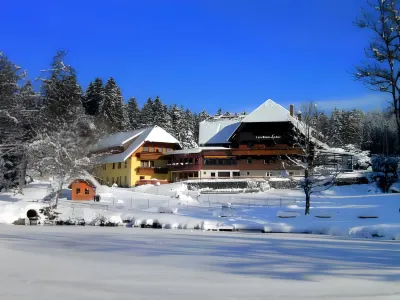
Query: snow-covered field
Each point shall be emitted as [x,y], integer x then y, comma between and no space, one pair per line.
[354,258]
[64,262]
[352,211]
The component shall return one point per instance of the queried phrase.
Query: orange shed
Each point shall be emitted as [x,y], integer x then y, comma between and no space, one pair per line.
[82,189]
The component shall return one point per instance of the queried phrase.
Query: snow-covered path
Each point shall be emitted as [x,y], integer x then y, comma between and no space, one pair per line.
[121,263]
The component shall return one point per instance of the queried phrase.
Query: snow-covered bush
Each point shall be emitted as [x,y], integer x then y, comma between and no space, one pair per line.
[385,171]
[361,159]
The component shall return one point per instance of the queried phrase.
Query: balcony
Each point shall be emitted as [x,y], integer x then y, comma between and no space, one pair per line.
[149,155]
[151,170]
[249,152]
[177,166]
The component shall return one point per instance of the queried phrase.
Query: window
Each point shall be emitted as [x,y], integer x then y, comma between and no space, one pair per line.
[151,149]
[196,161]
[212,174]
[249,161]
[224,174]
[141,177]
[266,161]
[204,173]
[290,173]
[105,167]
[268,174]
[151,163]
[144,163]
[125,164]
[247,173]
[145,149]
[236,174]
[78,191]
[86,191]
[119,165]
[113,165]
[126,181]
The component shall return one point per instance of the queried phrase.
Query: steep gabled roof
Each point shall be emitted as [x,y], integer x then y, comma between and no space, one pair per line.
[151,134]
[269,111]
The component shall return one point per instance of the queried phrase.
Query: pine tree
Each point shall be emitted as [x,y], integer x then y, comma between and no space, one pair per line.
[336,128]
[322,125]
[186,132]
[160,113]
[203,116]
[97,100]
[227,113]
[28,96]
[147,114]
[112,109]
[94,97]
[133,114]
[176,121]
[61,93]
[219,112]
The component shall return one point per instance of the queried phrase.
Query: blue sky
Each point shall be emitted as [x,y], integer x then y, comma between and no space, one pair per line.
[199,53]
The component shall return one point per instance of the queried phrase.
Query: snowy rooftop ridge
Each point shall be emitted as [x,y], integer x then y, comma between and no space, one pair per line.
[269,111]
[150,134]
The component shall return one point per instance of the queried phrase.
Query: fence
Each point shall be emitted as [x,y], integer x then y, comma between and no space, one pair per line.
[265,201]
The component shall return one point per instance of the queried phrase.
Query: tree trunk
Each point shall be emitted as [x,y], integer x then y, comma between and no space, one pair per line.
[307,212]
[22,174]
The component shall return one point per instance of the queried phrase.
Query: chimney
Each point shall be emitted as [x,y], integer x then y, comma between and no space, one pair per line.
[299,116]
[291,109]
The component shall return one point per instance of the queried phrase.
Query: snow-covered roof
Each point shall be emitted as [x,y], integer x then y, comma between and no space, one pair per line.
[117,139]
[223,136]
[151,134]
[269,111]
[195,150]
[214,129]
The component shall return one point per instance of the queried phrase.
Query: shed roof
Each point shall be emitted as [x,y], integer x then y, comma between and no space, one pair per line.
[217,131]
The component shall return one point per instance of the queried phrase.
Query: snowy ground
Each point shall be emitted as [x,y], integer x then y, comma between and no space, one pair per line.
[64,262]
[358,211]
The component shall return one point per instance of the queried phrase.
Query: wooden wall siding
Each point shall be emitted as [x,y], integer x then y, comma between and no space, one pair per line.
[145,171]
[82,186]
[149,155]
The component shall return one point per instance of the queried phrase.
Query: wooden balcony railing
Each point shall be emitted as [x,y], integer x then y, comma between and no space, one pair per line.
[149,155]
[151,170]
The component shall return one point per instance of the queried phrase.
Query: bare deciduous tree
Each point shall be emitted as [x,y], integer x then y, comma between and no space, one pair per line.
[64,154]
[320,170]
[380,71]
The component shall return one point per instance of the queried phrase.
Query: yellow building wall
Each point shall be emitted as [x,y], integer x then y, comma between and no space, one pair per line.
[133,163]
[110,175]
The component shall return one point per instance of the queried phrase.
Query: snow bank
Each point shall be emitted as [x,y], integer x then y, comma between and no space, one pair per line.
[11,212]
[385,231]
